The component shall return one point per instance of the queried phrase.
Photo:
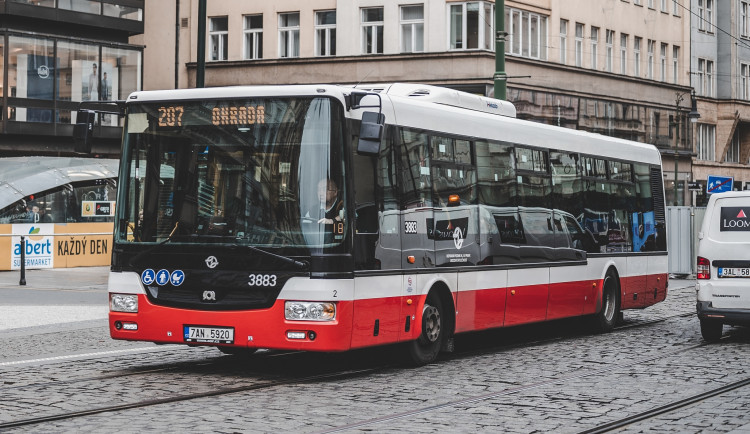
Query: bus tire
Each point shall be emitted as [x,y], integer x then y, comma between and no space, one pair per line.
[238,351]
[425,349]
[711,329]
[606,318]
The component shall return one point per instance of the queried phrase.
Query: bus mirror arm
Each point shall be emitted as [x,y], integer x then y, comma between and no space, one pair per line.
[83,130]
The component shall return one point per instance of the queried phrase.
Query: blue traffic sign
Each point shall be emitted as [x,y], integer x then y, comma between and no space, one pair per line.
[719,184]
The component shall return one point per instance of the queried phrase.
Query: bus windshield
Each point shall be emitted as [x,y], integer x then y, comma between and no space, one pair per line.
[264,172]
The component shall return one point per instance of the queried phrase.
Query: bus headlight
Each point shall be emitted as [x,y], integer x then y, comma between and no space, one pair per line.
[309,311]
[123,303]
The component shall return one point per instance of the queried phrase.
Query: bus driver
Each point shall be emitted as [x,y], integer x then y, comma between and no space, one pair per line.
[331,206]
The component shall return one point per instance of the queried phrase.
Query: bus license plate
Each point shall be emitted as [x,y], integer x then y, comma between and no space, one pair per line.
[734,272]
[208,334]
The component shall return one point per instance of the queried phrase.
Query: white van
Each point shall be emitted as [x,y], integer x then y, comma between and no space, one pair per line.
[723,272]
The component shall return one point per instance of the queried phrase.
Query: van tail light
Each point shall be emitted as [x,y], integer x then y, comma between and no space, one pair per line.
[704,268]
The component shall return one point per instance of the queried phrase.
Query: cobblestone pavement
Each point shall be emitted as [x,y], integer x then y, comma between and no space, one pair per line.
[553,377]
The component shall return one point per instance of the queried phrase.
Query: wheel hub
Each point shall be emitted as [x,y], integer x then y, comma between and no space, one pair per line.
[431,323]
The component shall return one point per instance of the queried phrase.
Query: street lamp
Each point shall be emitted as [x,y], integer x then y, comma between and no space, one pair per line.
[693,115]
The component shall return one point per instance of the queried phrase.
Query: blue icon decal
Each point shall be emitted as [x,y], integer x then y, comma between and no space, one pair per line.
[147,277]
[162,277]
[177,277]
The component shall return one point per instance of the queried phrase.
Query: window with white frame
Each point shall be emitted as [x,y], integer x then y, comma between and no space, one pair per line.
[638,2]
[637,56]
[471,26]
[527,33]
[579,45]
[651,4]
[744,18]
[706,142]
[705,15]
[745,81]
[372,30]
[675,64]
[663,62]
[650,59]
[594,46]
[709,78]
[325,33]
[664,6]
[563,41]
[676,8]
[609,48]
[733,150]
[412,29]
[289,34]
[253,36]
[623,53]
[218,35]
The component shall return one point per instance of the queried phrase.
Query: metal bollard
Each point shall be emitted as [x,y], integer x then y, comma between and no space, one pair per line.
[22,282]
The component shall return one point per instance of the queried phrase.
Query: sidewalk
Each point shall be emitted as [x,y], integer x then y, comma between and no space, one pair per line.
[53,296]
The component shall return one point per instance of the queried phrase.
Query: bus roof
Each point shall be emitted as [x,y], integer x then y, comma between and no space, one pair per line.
[450,112]
[23,176]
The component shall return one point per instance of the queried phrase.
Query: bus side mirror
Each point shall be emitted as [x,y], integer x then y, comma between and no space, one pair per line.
[83,130]
[370,133]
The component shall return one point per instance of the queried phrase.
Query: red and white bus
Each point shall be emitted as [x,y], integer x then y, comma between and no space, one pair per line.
[327,218]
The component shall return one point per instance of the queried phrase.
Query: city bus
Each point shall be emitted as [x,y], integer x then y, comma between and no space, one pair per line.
[328,218]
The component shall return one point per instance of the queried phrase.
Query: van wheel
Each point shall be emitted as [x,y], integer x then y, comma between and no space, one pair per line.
[425,349]
[711,330]
[606,318]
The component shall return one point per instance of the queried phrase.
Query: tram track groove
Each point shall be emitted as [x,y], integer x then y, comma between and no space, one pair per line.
[668,408]
[325,376]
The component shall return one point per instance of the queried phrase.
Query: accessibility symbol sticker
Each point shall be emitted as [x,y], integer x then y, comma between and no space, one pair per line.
[162,277]
[177,277]
[147,277]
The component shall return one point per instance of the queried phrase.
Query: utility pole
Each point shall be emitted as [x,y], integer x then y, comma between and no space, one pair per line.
[680,96]
[200,73]
[500,78]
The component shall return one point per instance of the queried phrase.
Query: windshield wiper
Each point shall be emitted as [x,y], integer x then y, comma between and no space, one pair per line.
[151,249]
[302,265]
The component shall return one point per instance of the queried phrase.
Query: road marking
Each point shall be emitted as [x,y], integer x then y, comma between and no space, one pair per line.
[82,356]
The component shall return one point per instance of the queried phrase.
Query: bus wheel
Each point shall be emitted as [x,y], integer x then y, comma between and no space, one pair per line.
[711,330]
[426,348]
[238,351]
[605,320]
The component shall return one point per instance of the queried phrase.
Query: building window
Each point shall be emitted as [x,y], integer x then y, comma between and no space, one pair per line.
[563,41]
[579,45]
[253,36]
[705,15]
[650,60]
[744,19]
[528,33]
[675,64]
[325,33]
[745,81]
[637,55]
[651,4]
[623,53]
[289,34]
[594,46]
[372,31]
[412,29]
[609,42]
[705,77]
[217,36]
[663,62]
[733,150]
[676,8]
[664,7]
[706,142]
[471,26]
[638,2]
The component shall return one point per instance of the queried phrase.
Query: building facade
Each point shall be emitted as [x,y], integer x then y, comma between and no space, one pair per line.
[721,78]
[616,67]
[55,54]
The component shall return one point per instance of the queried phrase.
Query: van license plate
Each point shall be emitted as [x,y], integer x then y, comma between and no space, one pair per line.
[211,335]
[734,272]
